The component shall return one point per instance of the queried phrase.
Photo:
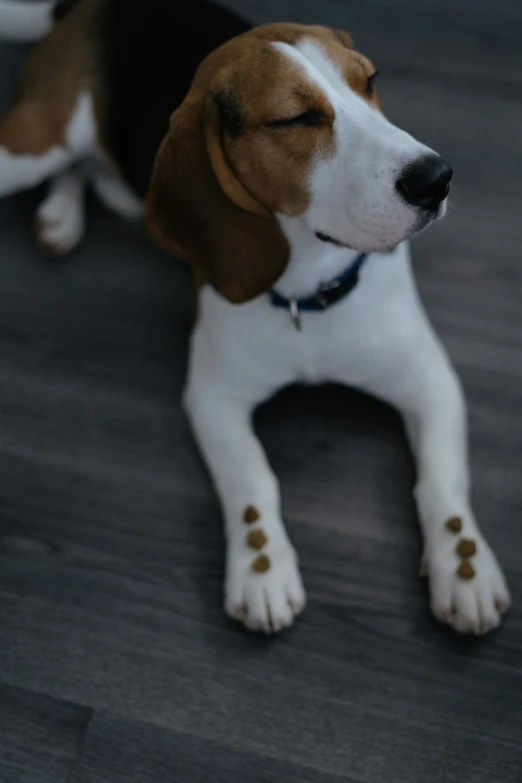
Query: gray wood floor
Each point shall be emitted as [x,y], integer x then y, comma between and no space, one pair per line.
[116,663]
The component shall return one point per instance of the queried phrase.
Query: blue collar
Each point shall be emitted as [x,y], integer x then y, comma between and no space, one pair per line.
[326,295]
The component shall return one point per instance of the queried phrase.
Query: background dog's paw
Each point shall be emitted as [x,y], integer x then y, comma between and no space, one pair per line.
[59,225]
[469,593]
[263,589]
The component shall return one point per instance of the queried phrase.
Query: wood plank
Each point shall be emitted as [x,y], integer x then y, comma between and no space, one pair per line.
[123,751]
[40,737]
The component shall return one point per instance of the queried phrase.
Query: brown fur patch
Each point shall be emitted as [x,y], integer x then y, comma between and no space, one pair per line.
[466,548]
[251,515]
[357,70]
[257,539]
[344,38]
[275,163]
[198,210]
[261,564]
[29,129]
[253,84]
[338,44]
[354,66]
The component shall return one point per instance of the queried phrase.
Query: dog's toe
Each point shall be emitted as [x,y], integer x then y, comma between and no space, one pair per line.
[471,598]
[264,592]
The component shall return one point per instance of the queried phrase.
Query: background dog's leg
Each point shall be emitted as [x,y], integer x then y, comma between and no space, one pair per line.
[60,219]
[263,588]
[31,149]
[468,589]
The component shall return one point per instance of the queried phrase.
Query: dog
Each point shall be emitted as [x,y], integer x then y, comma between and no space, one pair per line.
[280,180]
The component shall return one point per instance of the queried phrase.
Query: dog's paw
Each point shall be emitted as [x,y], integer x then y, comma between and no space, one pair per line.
[59,225]
[263,588]
[467,587]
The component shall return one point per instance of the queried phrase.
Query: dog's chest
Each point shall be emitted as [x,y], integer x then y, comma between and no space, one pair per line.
[261,344]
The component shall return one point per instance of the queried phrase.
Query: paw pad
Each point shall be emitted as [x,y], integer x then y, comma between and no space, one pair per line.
[256,539]
[261,564]
[466,570]
[466,548]
[454,524]
[251,515]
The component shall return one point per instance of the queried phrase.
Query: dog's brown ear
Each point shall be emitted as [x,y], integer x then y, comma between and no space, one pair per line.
[198,210]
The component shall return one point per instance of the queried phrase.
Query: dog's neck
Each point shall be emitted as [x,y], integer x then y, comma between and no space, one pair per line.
[312,261]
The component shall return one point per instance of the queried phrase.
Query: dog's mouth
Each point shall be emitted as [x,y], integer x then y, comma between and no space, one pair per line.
[337,243]
[424,219]
[330,240]
[429,217]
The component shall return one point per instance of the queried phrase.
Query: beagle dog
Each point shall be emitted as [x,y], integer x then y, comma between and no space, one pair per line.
[282,183]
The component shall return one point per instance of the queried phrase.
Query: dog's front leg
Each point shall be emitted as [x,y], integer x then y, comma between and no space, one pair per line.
[263,587]
[467,586]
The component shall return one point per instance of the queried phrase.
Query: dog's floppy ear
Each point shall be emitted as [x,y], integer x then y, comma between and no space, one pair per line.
[198,210]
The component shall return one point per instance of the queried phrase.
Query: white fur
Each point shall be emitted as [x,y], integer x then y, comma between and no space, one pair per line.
[25,21]
[378,339]
[354,195]
[21,172]
[61,217]
[82,131]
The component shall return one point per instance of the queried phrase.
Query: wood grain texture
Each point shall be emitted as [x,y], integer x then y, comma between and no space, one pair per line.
[142,752]
[40,737]
[111,551]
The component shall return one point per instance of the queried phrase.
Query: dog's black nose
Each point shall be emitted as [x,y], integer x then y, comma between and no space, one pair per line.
[425,183]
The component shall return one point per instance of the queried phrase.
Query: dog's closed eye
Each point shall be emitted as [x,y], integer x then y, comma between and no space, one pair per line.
[370,86]
[311,119]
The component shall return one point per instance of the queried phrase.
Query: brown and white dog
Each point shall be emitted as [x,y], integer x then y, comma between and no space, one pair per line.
[281,181]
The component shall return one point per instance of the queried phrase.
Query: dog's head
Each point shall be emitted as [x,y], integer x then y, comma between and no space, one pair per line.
[286,120]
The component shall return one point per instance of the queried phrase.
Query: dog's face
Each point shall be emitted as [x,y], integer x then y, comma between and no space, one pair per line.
[292,125]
